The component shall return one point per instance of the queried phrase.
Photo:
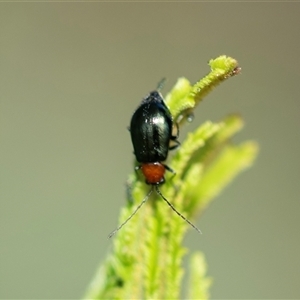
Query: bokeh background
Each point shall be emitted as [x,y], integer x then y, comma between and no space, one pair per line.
[71,74]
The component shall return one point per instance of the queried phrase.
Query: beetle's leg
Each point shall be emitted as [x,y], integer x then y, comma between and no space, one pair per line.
[176,135]
[174,138]
[169,169]
[136,168]
[177,144]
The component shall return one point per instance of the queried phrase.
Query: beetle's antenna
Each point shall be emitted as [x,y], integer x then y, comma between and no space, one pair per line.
[139,206]
[177,212]
[161,84]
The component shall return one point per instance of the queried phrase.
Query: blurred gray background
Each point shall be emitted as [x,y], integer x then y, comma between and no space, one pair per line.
[71,74]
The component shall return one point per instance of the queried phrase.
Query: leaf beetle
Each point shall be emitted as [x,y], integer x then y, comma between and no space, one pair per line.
[151,133]
[151,130]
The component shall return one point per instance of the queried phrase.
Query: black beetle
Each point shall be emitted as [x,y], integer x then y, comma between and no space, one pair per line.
[151,133]
[151,130]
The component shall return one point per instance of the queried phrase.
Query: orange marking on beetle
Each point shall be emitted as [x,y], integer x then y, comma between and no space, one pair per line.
[153,172]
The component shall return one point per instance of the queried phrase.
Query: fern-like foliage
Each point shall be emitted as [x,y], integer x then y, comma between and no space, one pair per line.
[146,260]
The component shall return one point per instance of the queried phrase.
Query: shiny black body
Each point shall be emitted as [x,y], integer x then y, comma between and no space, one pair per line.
[151,134]
[151,129]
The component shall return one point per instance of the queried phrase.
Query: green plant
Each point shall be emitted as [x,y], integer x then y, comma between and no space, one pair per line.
[146,260]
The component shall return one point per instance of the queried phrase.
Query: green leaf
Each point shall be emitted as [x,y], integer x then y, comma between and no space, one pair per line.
[146,258]
[199,283]
[183,98]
